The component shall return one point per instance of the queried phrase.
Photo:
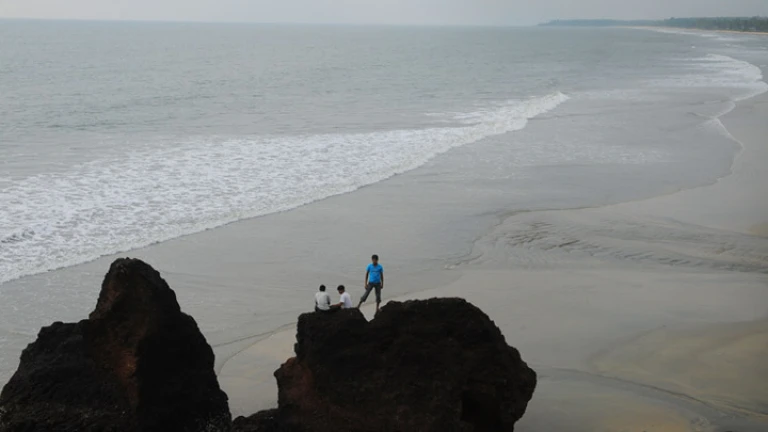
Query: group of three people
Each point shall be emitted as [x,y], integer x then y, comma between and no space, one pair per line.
[374,281]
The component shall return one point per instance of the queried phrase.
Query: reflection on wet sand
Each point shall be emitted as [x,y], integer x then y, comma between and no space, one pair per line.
[722,365]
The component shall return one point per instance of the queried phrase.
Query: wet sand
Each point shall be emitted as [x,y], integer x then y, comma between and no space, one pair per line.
[721,364]
[645,316]
[574,329]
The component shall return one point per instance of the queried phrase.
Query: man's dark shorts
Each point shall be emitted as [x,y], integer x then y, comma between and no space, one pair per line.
[368,288]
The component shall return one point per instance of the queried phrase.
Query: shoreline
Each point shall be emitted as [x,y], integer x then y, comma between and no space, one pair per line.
[733,167]
[706,302]
[695,30]
[744,172]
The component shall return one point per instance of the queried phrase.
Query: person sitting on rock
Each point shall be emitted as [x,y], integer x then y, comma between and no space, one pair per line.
[345,301]
[322,300]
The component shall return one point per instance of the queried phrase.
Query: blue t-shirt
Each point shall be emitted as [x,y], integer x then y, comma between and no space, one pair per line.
[374,273]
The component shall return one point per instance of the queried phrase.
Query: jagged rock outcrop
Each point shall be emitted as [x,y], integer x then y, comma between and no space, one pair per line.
[138,363]
[439,365]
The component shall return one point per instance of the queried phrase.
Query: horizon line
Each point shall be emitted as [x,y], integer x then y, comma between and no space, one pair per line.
[351,24]
[172,21]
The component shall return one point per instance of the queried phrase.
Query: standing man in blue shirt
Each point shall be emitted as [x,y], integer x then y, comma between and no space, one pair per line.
[374,279]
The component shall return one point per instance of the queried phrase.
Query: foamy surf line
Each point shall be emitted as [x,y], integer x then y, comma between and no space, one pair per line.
[50,221]
[721,35]
[720,71]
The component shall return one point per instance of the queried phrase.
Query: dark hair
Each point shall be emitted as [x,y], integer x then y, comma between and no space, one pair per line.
[322,287]
[341,288]
[375,257]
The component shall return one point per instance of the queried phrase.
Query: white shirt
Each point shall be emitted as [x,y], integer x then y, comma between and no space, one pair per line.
[323,300]
[346,299]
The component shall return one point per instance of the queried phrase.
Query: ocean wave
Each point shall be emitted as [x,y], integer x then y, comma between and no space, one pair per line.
[719,36]
[104,207]
[719,71]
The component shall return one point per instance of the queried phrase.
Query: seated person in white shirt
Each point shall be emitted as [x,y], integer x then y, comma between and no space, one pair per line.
[322,300]
[345,301]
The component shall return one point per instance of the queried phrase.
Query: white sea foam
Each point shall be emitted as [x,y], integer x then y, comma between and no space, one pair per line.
[51,220]
[719,36]
[719,71]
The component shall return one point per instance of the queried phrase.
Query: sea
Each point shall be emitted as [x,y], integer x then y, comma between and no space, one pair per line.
[117,136]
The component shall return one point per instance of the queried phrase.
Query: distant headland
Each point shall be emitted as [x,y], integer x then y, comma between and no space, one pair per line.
[736,24]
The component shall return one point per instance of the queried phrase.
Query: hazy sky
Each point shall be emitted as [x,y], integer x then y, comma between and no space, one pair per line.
[377,11]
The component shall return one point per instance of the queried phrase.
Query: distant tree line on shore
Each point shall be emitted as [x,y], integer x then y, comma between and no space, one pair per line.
[753,24]
[743,24]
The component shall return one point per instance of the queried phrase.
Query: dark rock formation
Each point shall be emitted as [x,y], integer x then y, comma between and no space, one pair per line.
[137,364]
[438,365]
[265,421]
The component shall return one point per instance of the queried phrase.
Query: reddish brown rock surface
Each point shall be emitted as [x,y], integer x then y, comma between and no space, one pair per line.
[439,365]
[137,364]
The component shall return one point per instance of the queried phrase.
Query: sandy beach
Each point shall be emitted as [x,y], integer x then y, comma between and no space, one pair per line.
[626,335]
